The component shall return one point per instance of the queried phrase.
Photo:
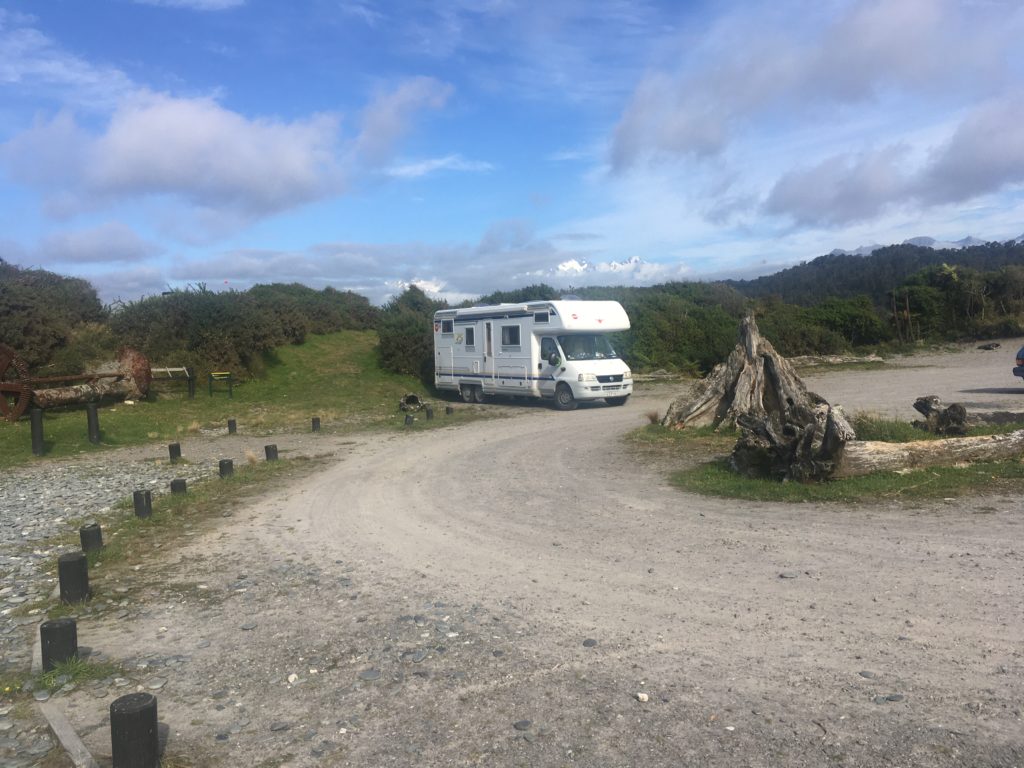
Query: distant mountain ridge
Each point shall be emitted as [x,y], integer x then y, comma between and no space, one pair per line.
[923,241]
[844,274]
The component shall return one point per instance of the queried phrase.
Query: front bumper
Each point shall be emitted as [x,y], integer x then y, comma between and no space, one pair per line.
[1019,371]
[593,390]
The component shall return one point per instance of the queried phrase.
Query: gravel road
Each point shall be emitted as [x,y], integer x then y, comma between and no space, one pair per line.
[530,592]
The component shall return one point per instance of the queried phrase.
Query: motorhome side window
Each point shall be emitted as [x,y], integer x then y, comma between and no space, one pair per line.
[540,317]
[470,337]
[548,348]
[510,336]
[447,326]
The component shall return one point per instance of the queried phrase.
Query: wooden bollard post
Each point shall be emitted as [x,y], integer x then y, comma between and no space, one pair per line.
[191,373]
[174,450]
[271,451]
[91,536]
[92,417]
[36,418]
[232,426]
[134,739]
[316,423]
[409,419]
[178,485]
[226,467]
[58,639]
[73,574]
[448,410]
[430,413]
[143,503]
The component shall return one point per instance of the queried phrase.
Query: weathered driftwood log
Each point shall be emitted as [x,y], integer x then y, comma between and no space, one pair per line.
[755,380]
[792,451]
[865,457]
[940,419]
[127,378]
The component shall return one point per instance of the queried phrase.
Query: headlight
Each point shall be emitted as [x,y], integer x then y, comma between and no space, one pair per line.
[627,376]
[587,377]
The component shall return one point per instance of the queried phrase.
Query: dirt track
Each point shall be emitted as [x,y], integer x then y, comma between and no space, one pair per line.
[442,584]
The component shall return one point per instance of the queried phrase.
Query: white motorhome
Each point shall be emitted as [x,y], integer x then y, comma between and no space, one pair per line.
[557,350]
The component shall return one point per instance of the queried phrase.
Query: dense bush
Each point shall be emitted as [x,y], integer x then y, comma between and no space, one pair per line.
[234,330]
[39,312]
[406,328]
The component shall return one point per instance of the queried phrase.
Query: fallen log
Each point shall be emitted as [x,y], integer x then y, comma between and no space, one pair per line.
[867,456]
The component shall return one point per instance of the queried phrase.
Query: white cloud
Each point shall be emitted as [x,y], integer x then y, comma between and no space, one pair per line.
[984,154]
[195,5]
[109,242]
[34,64]
[388,117]
[227,169]
[420,168]
[842,188]
[786,64]
[191,149]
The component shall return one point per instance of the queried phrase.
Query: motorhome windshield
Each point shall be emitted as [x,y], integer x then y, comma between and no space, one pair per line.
[587,346]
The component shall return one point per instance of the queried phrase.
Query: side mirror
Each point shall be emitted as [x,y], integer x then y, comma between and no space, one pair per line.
[554,359]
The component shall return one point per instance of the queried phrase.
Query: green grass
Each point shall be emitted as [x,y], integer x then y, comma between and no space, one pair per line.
[77,671]
[702,453]
[893,431]
[715,478]
[335,377]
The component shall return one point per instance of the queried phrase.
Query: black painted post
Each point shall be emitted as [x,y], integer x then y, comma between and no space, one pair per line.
[271,451]
[174,449]
[143,502]
[316,423]
[59,641]
[134,739]
[430,413]
[91,536]
[408,419]
[191,373]
[226,467]
[73,574]
[92,417]
[448,410]
[178,485]
[232,426]
[36,417]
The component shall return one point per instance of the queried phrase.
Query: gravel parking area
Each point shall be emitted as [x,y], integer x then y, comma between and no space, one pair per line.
[527,592]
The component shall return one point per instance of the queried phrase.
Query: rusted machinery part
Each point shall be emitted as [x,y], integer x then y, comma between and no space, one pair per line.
[129,377]
[15,394]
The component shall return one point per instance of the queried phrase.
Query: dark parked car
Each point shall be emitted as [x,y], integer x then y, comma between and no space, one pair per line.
[1019,370]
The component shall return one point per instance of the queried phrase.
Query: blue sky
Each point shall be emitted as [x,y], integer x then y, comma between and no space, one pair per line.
[472,146]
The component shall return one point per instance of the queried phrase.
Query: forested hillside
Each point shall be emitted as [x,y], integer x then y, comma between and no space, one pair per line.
[897,296]
[874,275]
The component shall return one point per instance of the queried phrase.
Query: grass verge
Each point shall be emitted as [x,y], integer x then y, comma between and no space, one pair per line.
[702,452]
[335,377]
[715,478]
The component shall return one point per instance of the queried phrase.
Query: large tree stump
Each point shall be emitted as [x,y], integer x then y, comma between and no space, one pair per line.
[755,380]
[788,433]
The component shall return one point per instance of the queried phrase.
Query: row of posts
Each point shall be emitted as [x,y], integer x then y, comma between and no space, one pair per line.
[93,427]
[409,419]
[133,718]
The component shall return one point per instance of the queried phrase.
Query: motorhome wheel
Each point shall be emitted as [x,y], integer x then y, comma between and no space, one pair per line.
[564,401]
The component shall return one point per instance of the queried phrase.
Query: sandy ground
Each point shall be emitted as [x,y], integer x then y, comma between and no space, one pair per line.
[499,594]
[981,380]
